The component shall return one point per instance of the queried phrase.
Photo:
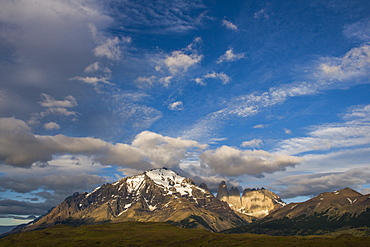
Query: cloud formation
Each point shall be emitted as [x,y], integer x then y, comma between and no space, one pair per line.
[176,106]
[163,150]
[213,75]
[353,132]
[180,61]
[313,184]
[355,63]
[230,56]
[229,25]
[252,143]
[21,148]
[234,162]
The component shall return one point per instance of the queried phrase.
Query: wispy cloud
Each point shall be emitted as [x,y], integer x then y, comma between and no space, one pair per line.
[252,143]
[158,16]
[172,65]
[54,107]
[354,65]
[353,132]
[109,47]
[229,25]
[359,30]
[259,126]
[213,75]
[262,13]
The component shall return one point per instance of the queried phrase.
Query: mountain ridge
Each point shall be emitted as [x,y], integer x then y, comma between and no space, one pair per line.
[329,213]
[161,195]
[158,195]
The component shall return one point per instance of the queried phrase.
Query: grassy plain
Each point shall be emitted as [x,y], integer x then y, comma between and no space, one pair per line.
[163,234]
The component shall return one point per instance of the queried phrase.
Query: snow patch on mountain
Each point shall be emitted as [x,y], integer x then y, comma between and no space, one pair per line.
[170,181]
[134,183]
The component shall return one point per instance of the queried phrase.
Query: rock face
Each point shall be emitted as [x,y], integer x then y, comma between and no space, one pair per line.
[158,195]
[256,203]
[223,193]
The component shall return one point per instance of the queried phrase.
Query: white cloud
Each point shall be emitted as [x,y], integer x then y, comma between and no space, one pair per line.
[355,63]
[287,131]
[352,133]
[143,81]
[259,126]
[229,24]
[314,184]
[200,81]
[109,48]
[50,102]
[230,56]
[230,161]
[20,148]
[176,106]
[93,80]
[166,81]
[54,107]
[164,150]
[51,126]
[252,143]
[174,64]
[220,76]
[179,62]
[333,73]
[94,67]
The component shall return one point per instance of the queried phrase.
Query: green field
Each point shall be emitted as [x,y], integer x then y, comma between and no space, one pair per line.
[163,234]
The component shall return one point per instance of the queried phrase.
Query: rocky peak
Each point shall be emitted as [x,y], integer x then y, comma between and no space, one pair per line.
[234,198]
[253,202]
[222,192]
[204,186]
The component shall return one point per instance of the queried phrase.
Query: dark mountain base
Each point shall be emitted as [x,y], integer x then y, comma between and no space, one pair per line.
[163,234]
[317,224]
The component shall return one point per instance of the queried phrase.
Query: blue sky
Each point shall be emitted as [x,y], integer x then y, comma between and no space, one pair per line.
[270,94]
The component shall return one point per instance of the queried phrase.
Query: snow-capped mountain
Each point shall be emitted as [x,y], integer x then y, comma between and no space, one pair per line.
[158,195]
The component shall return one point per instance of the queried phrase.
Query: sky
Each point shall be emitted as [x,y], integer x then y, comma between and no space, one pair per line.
[271,94]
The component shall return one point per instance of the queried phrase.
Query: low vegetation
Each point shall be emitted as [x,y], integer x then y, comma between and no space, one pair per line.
[317,224]
[164,234]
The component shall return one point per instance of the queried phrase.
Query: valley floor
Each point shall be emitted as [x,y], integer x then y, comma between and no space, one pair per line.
[163,234]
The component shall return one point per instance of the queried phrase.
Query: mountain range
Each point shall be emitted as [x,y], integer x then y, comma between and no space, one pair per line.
[158,195]
[161,195]
[330,213]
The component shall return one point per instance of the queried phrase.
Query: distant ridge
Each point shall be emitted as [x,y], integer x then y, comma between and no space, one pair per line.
[329,213]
